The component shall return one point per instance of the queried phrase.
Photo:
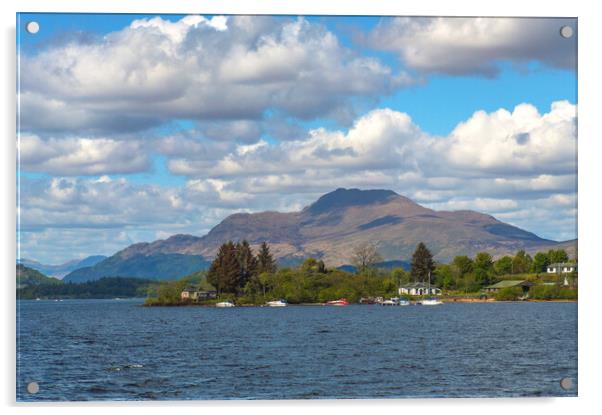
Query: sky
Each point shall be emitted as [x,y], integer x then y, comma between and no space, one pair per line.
[133,128]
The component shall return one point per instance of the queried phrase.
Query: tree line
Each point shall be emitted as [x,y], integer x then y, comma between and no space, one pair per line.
[471,274]
[463,272]
[237,272]
[106,287]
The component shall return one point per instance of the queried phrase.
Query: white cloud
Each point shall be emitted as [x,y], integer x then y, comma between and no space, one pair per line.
[81,156]
[479,204]
[519,142]
[499,145]
[463,46]
[382,139]
[221,68]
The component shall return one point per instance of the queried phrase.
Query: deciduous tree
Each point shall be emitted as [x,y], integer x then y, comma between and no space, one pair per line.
[365,256]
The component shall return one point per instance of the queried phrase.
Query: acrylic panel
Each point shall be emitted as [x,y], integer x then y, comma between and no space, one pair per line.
[295,207]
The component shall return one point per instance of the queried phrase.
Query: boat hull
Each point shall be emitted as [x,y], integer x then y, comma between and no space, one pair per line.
[276,304]
[431,302]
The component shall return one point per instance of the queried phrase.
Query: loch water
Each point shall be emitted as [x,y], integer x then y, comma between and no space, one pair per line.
[81,350]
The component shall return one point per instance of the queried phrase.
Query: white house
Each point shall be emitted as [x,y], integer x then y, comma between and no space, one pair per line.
[561,268]
[419,288]
[194,294]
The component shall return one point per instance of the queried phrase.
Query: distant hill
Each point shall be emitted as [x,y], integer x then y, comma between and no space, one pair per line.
[59,271]
[153,267]
[102,288]
[30,277]
[330,229]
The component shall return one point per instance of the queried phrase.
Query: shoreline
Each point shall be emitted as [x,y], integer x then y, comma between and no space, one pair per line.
[413,303]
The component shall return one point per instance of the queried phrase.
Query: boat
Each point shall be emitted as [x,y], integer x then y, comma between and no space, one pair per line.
[276,303]
[390,301]
[225,304]
[404,302]
[339,302]
[430,300]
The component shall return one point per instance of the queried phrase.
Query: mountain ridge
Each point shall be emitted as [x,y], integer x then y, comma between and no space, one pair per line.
[61,270]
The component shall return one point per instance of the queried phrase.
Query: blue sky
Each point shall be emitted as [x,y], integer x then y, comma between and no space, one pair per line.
[178,117]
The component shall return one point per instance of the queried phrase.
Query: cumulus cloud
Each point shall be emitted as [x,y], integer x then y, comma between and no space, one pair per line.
[498,144]
[519,142]
[379,140]
[81,156]
[464,46]
[233,68]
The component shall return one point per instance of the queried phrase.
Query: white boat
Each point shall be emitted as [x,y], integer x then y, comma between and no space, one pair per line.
[390,301]
[431,301]
[404,302]
[276,303]
[225,304]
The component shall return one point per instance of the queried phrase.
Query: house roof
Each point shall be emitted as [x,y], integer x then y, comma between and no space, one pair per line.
[562,264]
[417,285]
[510,284]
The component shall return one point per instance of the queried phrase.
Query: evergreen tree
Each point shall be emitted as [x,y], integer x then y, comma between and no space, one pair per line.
[247,263]
[265,261]
[224,272]
[422,263]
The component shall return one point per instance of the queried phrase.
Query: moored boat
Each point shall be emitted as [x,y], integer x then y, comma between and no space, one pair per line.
[276,303]
[431,301]
[339,302]
[225,304]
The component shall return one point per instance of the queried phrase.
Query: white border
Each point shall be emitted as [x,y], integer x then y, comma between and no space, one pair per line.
[589,196]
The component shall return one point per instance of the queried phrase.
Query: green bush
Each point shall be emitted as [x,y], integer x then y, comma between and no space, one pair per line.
[552,292]
[509,294]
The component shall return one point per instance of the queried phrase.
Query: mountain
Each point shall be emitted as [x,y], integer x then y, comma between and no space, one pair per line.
[59,271]
[331,227]
[29,277]
[157,266]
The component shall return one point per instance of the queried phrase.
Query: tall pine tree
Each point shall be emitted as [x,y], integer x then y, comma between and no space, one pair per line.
[422,263]
[265,261]
[224,273]
[247,263]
